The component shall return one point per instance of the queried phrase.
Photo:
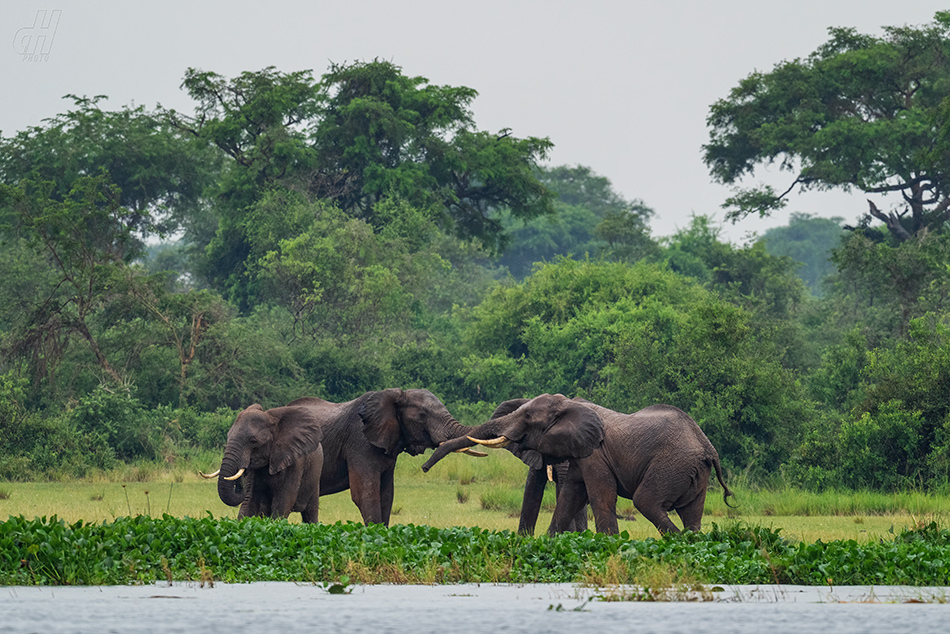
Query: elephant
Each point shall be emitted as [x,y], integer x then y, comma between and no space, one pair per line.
[275,458]
[359,441]
[536,482]
[658,457]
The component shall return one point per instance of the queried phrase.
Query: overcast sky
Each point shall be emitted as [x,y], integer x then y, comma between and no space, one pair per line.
[621,87]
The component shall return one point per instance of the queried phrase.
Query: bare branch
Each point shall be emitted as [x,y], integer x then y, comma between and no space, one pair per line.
[891,220]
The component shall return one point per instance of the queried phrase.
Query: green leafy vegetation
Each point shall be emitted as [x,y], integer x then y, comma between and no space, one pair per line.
[48,551]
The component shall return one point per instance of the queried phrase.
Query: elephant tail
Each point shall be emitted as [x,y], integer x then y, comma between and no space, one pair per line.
[725,490]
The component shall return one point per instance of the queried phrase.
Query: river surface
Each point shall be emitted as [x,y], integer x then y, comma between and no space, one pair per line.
[283,608]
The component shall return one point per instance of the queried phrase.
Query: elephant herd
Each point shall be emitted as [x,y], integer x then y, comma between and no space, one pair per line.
[281,460]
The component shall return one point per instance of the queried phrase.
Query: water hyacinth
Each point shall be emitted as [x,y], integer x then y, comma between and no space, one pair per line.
[49,551]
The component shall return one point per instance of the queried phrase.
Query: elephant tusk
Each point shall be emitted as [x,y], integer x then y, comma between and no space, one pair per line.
[236,475]
[210,475]
[550,473]
[495,443]
[472,452]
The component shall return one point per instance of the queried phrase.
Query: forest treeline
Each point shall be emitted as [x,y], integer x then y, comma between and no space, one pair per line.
[298,236]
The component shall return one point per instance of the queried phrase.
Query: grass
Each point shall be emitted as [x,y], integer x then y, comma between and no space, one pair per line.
[461,491]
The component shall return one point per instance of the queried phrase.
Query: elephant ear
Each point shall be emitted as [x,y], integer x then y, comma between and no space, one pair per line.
[530,457]
[381,420]
[575,433]
[298,434]
[508,407]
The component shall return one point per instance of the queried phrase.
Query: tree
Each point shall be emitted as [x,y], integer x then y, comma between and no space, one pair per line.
[809,240]
[591,219]
[631,336]
[748,276]
[362,134]
[884,287]
[88,242]
[160,175]
[858,113]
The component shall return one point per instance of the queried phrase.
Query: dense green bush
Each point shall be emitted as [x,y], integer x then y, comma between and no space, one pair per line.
[630,336]
[889,428]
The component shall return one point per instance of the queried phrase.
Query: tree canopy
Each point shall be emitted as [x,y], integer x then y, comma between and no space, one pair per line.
[861,112]
[363,133]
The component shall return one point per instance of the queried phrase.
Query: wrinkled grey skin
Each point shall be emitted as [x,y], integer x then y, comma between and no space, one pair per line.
[534,493]
[658,457]
[281,452]
[360,442]
[537,480]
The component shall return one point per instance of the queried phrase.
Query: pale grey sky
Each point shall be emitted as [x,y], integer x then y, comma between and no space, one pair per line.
[623,87]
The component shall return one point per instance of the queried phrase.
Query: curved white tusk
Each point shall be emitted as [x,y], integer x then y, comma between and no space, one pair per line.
[495,443]
[472,452]
[236,475]
[210,475]
[550,473]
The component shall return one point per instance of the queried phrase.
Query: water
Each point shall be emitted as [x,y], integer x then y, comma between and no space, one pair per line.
[287,607]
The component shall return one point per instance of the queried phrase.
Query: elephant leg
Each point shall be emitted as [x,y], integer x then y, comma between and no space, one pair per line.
[254,507]
[578,523]
[386,493]
[255,502]
[364,491]
[311,484]
[573,498]
[650,504]
[601,488]
[692,512]
[284,489]
[531,501]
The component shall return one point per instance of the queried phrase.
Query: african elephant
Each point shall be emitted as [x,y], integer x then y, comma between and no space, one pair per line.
[658,457]
[537,480]
[360,442]
[275,460]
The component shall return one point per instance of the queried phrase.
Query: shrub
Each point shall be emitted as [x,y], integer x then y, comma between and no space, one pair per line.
[120,420]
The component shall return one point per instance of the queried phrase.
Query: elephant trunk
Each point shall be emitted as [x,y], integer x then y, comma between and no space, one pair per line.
[447,429]
[462,440]
[231,491]
[449,446]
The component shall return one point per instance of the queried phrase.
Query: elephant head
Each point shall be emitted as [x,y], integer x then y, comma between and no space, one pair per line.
[258,439]
[414,420]
[547,429]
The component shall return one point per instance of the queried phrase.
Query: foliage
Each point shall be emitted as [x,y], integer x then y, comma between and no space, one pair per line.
[895,434]
[159,175]
[346,234]
[116,418]
[885,286]
[88,240]
[32,446]
[361,135]
[144,550]
[627,337]
[809,240]
[592,219]
[859,112]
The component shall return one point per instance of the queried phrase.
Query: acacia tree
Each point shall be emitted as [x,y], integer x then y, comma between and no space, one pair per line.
[858,113]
